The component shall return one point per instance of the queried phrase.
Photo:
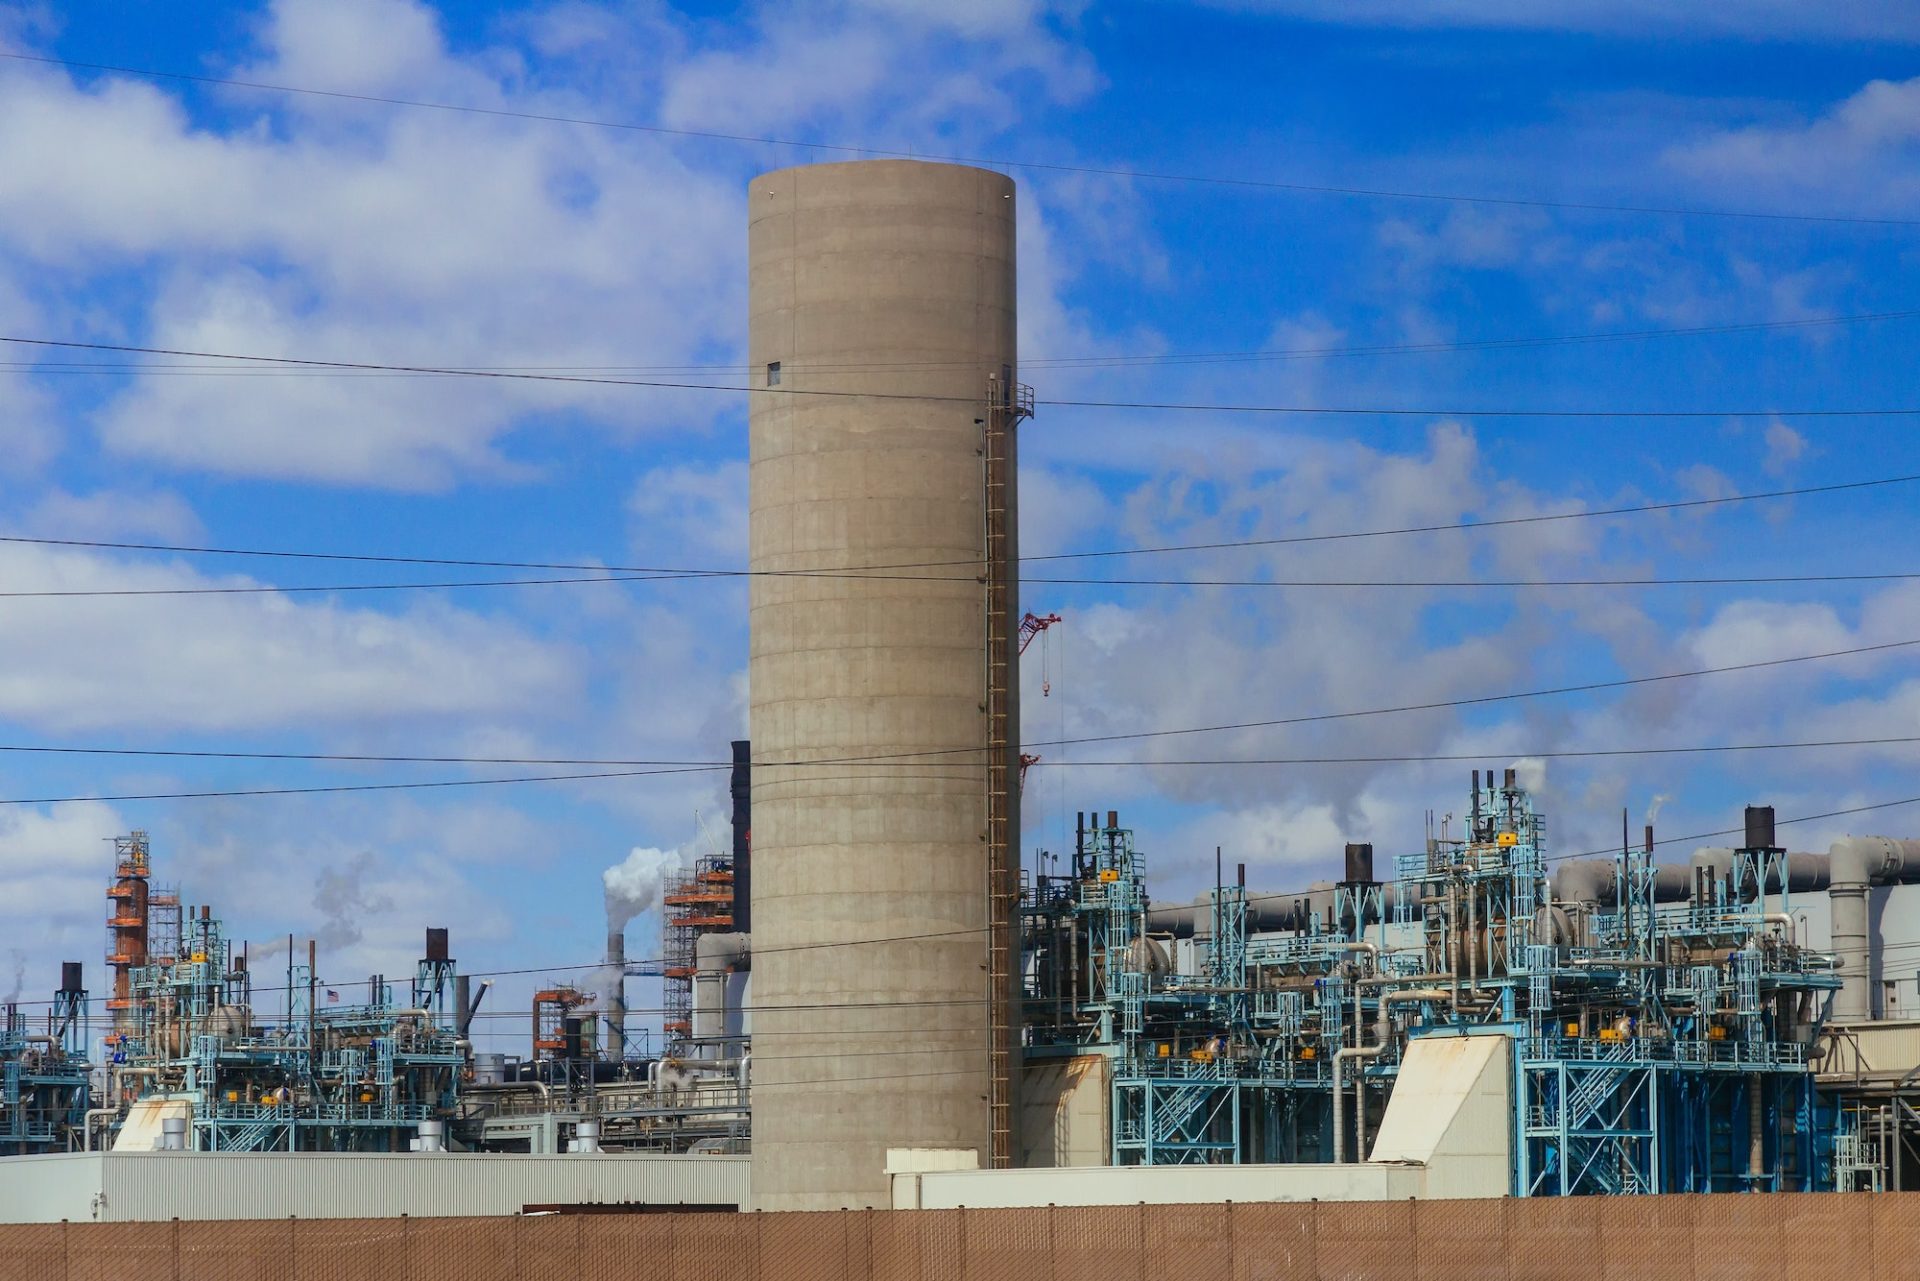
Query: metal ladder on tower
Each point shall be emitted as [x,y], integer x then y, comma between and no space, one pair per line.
[1007,404]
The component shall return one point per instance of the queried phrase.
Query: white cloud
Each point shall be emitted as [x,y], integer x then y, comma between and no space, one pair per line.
[357,46]
[905,68]
[54,864]
[1863,153]
[1784,448]
[109,514]
[419,238]
[1760,631]
[233,662]
[702,509]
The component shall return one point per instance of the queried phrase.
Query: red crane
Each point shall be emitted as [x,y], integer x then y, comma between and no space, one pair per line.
[1032,625]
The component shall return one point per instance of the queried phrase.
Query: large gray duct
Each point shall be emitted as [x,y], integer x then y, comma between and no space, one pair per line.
[1593,880]
[715,957]
[1854,863]
[893,281]
[1265,912]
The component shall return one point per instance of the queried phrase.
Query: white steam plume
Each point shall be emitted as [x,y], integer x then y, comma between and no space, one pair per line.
[1653,809]
[633,887]
[1531,773]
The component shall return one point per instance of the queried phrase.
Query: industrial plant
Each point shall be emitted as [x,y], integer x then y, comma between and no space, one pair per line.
[879,995]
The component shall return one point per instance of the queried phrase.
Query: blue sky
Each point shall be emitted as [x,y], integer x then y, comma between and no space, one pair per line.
[169,214]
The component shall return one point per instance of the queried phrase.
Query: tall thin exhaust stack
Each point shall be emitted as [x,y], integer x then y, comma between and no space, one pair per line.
[873,890]
[616,995]
[741,789]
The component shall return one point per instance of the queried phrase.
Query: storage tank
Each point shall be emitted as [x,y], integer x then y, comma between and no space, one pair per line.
[895,280]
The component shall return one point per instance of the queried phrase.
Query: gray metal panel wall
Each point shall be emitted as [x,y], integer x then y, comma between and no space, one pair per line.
[893,279]
[49,1188]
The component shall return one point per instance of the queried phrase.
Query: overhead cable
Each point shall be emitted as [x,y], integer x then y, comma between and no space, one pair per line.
[1284,584]
[1336,411]
[1109,360]
[1481,754]
[606,570]
[1480,700]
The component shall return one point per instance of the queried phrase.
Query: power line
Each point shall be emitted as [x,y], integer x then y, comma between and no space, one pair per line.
[1336,411]
[1109,360]
[355,787]
[1106,171]
[1284,584]
[1479,700]
[329,588]
[1498,523]
[605,570]
[1438,705]
[1482,754]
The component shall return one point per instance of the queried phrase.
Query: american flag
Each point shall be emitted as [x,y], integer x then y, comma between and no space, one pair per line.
[333,997]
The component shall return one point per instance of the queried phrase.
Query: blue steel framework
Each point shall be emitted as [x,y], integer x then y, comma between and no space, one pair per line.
[1204,1068]
[43,1076]
[331,1077]
[1656,1048]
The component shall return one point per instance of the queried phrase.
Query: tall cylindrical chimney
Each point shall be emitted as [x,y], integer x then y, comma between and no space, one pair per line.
[616,994]
[889,283]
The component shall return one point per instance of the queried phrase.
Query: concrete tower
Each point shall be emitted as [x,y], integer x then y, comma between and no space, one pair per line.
[895,280]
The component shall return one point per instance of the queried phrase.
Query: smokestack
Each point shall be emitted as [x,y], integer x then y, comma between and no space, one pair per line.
[1359,864]
[616,996]
[742,789]
[466,1002]
[1760,827]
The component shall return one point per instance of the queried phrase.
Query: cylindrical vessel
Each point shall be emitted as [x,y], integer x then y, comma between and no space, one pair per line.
[433,1136]
[173,1134]
[893,280]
